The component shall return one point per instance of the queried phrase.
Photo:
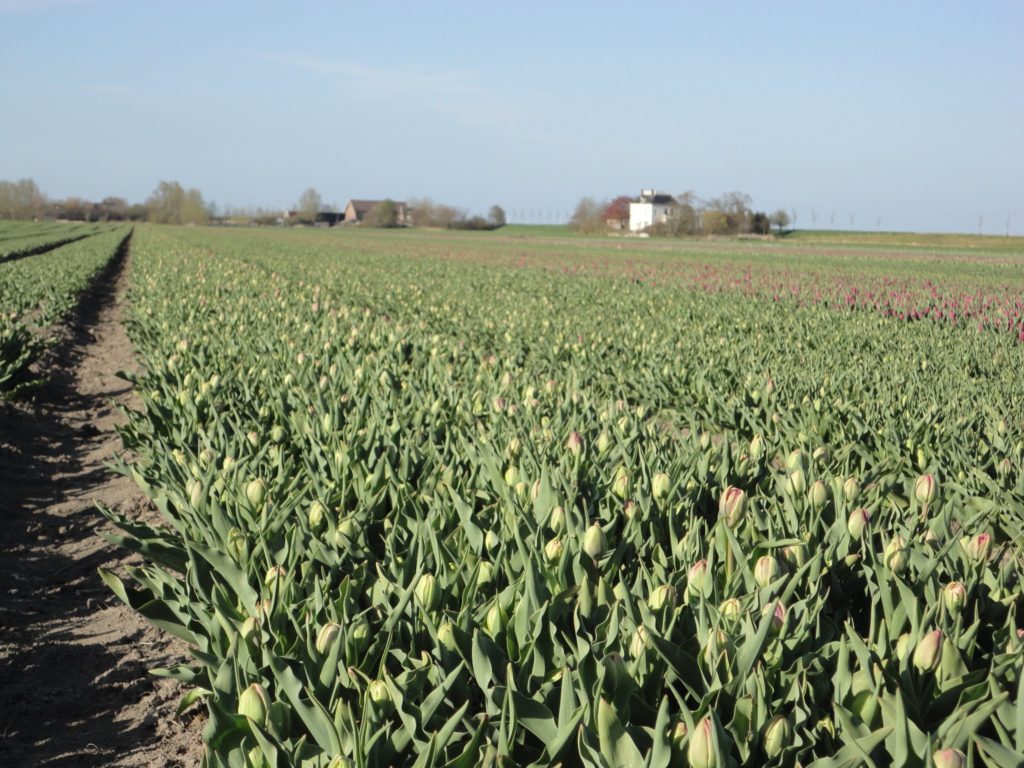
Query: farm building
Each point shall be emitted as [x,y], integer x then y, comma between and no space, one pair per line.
[651,208]
[357,210]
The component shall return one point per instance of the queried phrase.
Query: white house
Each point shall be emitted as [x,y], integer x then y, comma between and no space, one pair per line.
[652,208]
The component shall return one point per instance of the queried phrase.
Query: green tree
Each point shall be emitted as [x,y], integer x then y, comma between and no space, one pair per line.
[496,216]
[310,204]
[384,215]
[780,219]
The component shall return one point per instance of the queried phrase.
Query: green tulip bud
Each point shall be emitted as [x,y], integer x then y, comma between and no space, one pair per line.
[553,550]
[662,598]
[821,454]
[903,648]
[484,574]
[818,495]
[732,506]
[704,749]
[857,522]
[928,652]
[719,645]
[756,447]
[925,489]
[797,460]
[620,486]
[446,637]
[277,434]
[594,543]
[795,555]
[604,442]
[495,620]
[777,735]
[949,758]
[796,483]
[428,593]
[954,595]
[895,554]
[515,447]
[491,540]
[731,610]
[256,492]
[347,533]
[236,544]
[640,643]
[660,486]
[254,704]
[380,696]
[317,515]
[851,490]
[698,579]
[766,570]
[273,574]
[327,636]
[557,520]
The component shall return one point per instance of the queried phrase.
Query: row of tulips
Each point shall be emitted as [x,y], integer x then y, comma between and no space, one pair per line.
[411,520]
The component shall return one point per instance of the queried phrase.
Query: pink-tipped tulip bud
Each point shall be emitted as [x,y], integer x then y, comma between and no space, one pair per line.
[851,490]
[954,595]
[857,522]
[778,613]
[732,506]
[928,652]
[663,598]
[925,489]
[697,580]
[660,486]
[703,749]
[979,547]
[895,554]
[575,443]
[766,570]
[777,735]
[272,575]
[594,542]
[949,758]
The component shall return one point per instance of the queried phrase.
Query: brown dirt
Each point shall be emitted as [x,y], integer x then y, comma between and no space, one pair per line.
[74,688]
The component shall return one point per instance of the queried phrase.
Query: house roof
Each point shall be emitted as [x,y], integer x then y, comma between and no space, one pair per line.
[365,206]
[657,199]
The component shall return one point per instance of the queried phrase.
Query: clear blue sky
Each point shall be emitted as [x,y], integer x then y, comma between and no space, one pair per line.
[911,112]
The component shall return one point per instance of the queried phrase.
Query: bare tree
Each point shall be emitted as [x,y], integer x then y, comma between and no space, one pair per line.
[310,204]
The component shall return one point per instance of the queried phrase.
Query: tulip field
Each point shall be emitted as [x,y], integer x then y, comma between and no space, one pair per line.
[434,499]
[43,271]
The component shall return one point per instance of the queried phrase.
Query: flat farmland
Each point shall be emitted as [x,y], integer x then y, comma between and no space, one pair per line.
[529,498]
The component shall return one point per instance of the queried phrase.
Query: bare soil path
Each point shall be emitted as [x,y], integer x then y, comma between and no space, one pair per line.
[73,684]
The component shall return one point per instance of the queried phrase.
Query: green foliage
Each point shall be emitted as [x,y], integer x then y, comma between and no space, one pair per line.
[429,510]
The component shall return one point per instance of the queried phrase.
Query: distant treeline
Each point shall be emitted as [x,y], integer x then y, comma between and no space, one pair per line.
[729,214]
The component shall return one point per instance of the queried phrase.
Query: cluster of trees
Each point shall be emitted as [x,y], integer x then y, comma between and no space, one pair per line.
[729,214]
[424,212]
[21,200]
[171,203]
